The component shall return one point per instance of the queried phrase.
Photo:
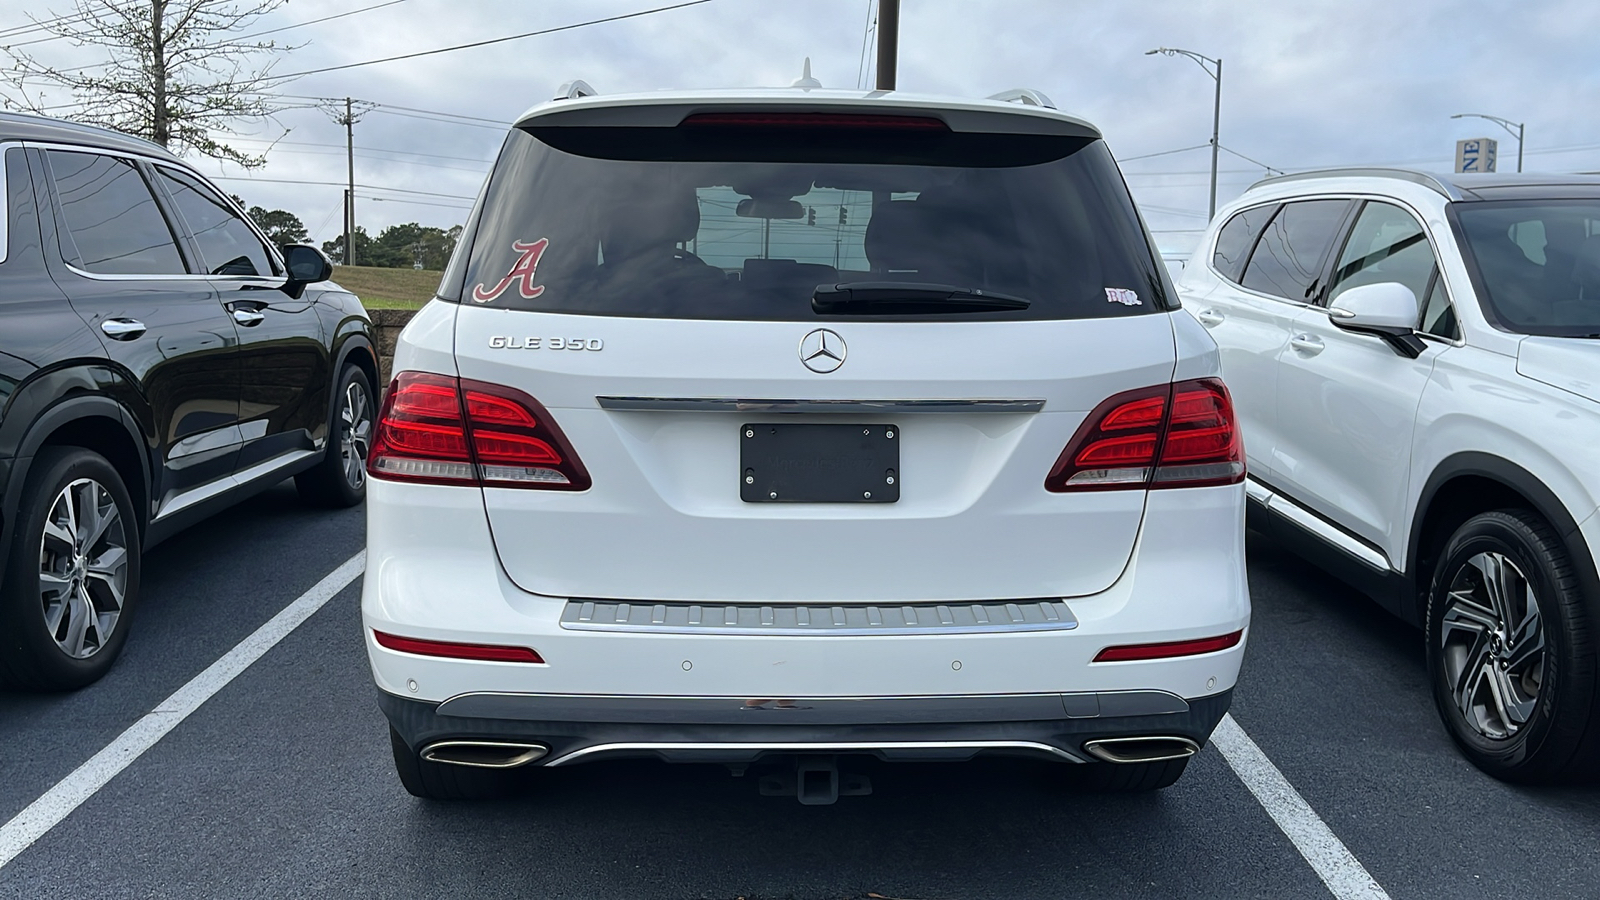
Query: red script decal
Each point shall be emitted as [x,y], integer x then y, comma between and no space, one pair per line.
[523,272]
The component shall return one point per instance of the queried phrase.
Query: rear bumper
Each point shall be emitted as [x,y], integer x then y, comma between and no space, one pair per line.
[578,729]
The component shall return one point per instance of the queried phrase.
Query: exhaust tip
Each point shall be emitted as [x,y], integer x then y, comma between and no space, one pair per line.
[1141,749]
[484,754]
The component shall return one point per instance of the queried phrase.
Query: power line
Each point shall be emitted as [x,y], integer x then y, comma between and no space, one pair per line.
[338,184]
[1164,153]
[409,115]
[323,19]
[498,40]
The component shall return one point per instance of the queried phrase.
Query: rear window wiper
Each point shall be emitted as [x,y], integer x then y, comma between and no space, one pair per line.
[907,298]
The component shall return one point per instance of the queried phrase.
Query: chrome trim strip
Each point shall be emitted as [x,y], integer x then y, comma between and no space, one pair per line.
[835,620]
[1256,491]
[5,199]
[1318,526]
[238,479]
[808,747]
[732,404]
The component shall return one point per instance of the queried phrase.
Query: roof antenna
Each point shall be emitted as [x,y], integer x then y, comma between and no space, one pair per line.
[805,81]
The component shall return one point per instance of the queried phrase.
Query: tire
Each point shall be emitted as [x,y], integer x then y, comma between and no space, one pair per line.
[438,781]
[67,599]
[1125,778]
[1513,676]
[340,479]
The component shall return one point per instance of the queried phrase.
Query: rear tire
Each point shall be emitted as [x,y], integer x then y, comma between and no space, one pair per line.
[340,479]
[1510,653]
[72,576]
[437,781]
[1125,778]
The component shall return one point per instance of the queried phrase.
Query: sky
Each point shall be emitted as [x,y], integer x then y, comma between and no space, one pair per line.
[1306,84]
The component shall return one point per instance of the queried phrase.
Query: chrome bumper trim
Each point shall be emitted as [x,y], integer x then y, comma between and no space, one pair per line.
[689,748]
[733,404]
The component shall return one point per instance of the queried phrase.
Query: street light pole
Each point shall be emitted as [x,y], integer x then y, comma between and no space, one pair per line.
[1216,110]
[1503,123]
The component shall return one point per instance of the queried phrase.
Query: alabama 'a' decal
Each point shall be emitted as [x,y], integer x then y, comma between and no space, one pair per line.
[522,273]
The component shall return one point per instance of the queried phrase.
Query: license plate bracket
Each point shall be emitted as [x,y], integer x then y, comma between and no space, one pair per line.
[789,462]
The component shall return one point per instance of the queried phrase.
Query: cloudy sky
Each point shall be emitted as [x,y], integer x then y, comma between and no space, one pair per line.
[1307,83]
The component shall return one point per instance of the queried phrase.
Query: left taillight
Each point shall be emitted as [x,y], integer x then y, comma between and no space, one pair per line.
[1171,435]
[438,429]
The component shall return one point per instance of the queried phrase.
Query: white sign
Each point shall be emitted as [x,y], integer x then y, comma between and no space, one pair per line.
[1476,154]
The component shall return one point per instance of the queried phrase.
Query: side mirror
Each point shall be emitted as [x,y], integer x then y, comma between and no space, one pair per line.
[1387,310]
[307,265]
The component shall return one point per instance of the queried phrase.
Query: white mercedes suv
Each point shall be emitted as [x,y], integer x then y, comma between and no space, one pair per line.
[1415,364]
[799,424]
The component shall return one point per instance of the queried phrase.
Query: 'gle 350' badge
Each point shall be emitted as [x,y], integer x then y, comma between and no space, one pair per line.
[499,342]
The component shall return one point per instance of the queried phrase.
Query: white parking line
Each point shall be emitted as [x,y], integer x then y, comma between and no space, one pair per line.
[69,793]
[1329,857]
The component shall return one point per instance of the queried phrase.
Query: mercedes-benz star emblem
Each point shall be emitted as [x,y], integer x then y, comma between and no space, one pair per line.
[822,351]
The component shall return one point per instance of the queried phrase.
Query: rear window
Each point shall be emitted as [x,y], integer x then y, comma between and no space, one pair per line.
[1538,263]
[746,224]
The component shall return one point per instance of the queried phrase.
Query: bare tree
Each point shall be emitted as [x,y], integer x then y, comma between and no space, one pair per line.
[179,72]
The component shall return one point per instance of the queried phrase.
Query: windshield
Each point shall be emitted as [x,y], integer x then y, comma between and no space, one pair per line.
[1538,262]
[637,222]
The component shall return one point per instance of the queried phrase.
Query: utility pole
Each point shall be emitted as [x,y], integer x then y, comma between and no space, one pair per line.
[888,42]
[350,192]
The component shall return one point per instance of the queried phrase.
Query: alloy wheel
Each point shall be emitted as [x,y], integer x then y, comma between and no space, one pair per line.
[355,433]
[83,568]
[1493,645]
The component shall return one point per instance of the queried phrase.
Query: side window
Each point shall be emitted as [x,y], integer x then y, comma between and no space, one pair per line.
[1237,237]
[115,226]
[1438,316]
[227,245]
[1288,259]
[1386,244]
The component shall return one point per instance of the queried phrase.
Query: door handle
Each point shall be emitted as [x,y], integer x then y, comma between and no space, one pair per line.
[1306,344]
[122,329]
[1210,318]
[248,317]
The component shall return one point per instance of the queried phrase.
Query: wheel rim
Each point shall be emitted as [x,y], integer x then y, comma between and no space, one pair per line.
[83,568]
[355,434]
[1493,645]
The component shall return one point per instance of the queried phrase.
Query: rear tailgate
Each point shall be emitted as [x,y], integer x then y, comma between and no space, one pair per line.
[664,519]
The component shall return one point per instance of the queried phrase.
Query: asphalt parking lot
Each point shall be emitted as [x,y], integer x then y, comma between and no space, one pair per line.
[280,784]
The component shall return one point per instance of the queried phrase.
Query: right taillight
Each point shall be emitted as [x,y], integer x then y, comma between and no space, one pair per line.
[437,429]
[1171,435]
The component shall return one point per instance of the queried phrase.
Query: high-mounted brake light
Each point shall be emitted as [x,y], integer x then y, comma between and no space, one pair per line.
[437,429]
[816,120]
[1169,649]
[453,650]
[1171,435]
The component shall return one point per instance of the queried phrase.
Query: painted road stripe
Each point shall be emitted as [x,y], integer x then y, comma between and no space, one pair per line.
[69,793]
[1329,858]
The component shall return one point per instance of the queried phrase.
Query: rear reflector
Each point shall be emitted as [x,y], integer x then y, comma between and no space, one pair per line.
[438,429]
[817,120]
[451,650]
[1170,435]
[1131,652]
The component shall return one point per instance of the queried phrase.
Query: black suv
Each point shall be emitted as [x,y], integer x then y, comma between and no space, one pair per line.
[159,360]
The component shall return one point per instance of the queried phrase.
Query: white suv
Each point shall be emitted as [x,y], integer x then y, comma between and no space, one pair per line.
[803,423]
[1415,367]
